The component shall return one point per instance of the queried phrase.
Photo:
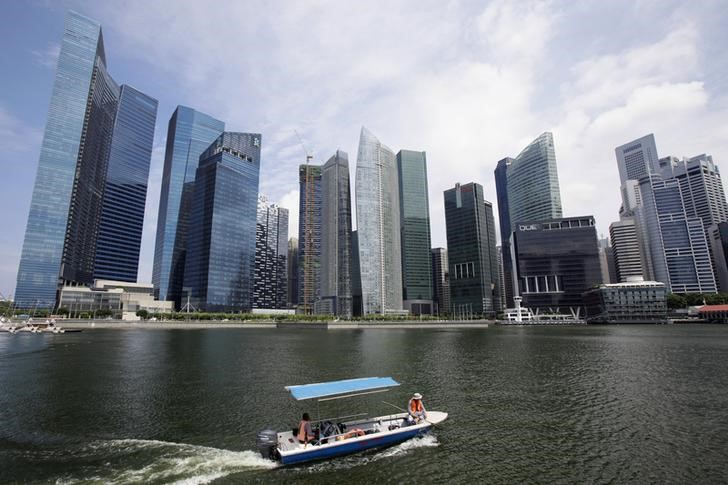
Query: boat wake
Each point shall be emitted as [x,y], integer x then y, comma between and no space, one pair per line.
[144,461]
[426,441]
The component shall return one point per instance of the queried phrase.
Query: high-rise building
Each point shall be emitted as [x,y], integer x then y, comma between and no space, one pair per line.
[471,251]
[220,259]
[336,235]
[628,257]
[270,289]
[414,209]
[377,215]
[125,192]
[528,190]
[718,239]
[637,158]
[441,281]
[309,237]
[66,210]
[292,272]
[356,301]
[677,246]
[557,260]
[189,133]
[606,261]
[501,278]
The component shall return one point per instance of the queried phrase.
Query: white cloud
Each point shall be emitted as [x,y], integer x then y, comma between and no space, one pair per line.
[290,201]
[47,57]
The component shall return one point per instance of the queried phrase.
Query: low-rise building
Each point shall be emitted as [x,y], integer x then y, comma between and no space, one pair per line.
[714,313]
[120,297]
[634,301]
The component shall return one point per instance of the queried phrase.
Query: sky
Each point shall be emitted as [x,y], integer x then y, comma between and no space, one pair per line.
[468,82]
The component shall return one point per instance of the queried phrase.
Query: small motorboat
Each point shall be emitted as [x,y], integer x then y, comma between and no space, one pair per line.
[345,434]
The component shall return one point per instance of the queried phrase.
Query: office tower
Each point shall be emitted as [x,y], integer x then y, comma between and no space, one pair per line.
[292,272]
[220,261]
[271,255]
[66,209]
[556,261]
[336,235]
[309,237]
[606,261]
[501,278]
[356,302]
[125,192]
[471,251]
[528,189]
[718,239]
[441,281]
[377,214]
[628,257]
[676,242]
[189,133]
[637,159]
[414,209]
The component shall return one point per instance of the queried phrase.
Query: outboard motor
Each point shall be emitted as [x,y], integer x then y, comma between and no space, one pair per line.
[267,443]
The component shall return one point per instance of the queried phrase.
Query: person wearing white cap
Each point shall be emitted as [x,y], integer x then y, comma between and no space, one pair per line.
[416,409]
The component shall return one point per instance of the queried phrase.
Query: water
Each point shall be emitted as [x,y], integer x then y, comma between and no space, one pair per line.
[644,404]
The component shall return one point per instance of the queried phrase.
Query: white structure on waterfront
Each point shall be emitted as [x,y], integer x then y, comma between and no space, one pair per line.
[378,222]
[120,297]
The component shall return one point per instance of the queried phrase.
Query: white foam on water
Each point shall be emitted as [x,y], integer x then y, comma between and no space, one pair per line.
[179,462]
[427,441]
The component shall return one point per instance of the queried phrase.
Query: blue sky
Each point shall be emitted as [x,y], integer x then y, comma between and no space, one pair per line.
[468,82]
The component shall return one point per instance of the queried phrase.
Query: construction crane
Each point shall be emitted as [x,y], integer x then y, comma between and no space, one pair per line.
[309,270]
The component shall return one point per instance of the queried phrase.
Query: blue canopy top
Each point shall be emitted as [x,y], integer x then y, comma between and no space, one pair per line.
[334,388]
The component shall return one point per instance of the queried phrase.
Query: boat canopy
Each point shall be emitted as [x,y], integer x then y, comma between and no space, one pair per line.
[341,388]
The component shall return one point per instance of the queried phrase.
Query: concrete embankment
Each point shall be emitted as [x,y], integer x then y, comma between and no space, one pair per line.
[197,325]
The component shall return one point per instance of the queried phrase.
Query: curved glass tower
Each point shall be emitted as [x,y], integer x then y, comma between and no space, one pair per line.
[378,226]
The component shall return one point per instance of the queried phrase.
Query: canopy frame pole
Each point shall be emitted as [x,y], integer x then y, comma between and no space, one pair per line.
[352,395]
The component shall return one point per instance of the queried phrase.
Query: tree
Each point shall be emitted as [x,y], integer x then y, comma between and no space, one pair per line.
[675,300]
[62,312]
[143,314]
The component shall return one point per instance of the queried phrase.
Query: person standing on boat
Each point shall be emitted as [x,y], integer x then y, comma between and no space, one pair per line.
[416,409]
[305,433]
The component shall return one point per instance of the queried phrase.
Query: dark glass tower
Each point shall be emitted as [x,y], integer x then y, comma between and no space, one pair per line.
[472,253]
[65,219]
[504,218]
[414,209]
[220,257]
[125,194]
[336,234]
[441,281]
[271,256]
[188,135]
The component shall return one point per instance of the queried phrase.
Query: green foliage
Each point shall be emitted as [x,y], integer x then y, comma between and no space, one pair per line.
[62,311]
[84,315]
[683,300]
[143,314]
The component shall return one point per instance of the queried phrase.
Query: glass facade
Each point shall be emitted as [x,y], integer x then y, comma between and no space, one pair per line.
[189,133]
[377,213]
[504,219]
[66,222]
[220,259]
[292,272]
[631,302]
[125,192]
[271,256]
[336,234]
[441,281]
[414,209]
[309,237]
[556,261]
[471,252]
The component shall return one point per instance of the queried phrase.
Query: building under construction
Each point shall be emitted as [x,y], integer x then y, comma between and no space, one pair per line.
[309,237]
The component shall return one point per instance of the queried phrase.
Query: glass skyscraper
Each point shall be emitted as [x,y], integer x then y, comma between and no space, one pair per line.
[80,144]
[414,211]
[471,252]
[220,259]
[441,281]
[125,193]
[377,215]
[189,133]
[271,256]
[336,235]
[528,190]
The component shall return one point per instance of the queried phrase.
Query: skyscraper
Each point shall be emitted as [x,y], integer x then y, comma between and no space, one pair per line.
[66,210]
[125,192]
[471,251]
[356,301]
[377,214]
[414,209]
[309,237]
[336,234]
[271,255]
[292,272]
[628,257]
[637,158]
[441,281]
[189,133]
[220,260]
[528,190]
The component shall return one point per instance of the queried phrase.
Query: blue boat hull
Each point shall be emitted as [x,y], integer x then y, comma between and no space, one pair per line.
[376,441]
